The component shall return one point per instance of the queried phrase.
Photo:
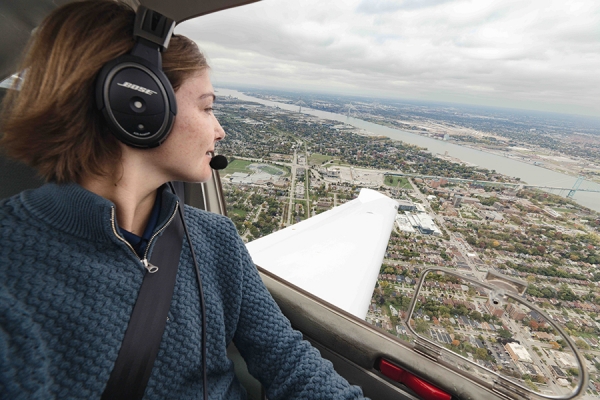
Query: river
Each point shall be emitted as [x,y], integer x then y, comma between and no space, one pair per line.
[528,173]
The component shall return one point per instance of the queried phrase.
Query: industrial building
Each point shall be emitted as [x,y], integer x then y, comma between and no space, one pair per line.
[518,352]
[423,223]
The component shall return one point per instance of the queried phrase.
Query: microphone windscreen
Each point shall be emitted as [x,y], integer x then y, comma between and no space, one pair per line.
[218,162]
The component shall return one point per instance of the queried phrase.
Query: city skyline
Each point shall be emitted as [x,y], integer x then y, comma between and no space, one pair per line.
[535,55]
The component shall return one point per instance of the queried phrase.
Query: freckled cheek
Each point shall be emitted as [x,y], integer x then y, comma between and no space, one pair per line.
[187,130]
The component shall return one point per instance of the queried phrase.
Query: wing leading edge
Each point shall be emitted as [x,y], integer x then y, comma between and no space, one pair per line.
[335,255]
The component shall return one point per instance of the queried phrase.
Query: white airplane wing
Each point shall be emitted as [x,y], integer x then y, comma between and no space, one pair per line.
[335,255]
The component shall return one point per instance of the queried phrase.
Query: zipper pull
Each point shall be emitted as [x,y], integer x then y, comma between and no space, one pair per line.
[151,268]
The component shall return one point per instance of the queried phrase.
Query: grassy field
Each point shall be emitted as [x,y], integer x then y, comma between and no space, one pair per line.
[340,163]
[237,166]
[398,181]
[286,169]
[237,211]
[562,210]
[272,170]
[318,159]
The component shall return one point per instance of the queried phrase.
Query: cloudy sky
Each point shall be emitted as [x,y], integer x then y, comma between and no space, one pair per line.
[530,54]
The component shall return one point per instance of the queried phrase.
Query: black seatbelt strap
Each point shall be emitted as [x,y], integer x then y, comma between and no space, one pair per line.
[135,360]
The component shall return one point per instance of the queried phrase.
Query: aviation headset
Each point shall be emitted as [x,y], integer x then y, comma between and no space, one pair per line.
[132,92]
[138,103]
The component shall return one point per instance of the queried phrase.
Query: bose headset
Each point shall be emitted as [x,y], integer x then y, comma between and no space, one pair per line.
[132,92]
[138,104]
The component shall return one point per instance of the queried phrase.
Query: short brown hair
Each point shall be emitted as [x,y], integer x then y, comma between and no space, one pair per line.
[52,123]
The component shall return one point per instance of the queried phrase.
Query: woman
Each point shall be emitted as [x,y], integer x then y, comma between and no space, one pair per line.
[73,252]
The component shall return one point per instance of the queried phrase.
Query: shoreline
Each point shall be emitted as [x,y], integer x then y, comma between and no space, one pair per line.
[585,199]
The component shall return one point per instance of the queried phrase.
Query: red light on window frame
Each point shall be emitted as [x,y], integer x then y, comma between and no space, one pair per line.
[424,389]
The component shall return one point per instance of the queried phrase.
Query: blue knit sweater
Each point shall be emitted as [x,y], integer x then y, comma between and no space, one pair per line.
[68,284]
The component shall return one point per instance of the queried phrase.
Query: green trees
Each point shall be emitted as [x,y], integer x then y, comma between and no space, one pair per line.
[565,293]
[482,354]
[545,291]
[421,326]
[476,315]
[503,333]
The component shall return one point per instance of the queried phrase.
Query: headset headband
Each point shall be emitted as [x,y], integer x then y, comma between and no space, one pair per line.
[153,26]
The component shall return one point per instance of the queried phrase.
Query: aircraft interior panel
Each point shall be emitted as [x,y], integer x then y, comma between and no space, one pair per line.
[356,347]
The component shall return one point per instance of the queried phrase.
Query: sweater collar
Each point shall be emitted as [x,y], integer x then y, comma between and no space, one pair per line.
[79,212]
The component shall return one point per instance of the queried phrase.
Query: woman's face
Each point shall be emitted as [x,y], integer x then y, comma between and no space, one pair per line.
[186,154]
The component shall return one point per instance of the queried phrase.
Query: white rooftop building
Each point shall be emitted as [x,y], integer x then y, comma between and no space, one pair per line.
[424,223]
[564,360]
[551,212]
[406,205]
[518,352]
[404,224]
[420,208]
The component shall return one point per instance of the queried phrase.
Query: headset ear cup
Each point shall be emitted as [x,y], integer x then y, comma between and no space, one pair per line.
[136,100]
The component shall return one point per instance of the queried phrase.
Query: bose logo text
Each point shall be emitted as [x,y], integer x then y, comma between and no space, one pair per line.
[138,88]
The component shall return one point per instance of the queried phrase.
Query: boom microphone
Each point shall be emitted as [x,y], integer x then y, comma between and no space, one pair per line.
[218,162]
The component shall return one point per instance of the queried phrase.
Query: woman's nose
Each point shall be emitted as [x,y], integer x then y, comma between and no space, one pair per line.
[220,132]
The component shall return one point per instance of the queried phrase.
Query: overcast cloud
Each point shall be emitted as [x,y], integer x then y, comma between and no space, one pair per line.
[542,55]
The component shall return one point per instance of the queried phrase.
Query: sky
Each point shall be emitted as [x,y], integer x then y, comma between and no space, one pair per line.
[533,54]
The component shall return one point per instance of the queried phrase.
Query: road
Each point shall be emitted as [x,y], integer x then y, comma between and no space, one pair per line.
[254,219]
[524,337]
[292,186]
[442,224]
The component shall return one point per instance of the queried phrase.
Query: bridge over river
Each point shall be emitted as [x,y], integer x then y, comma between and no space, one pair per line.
[516,186]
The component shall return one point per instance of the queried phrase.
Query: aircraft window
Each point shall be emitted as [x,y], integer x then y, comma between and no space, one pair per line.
[289,164]
[286,166]
[10,81]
